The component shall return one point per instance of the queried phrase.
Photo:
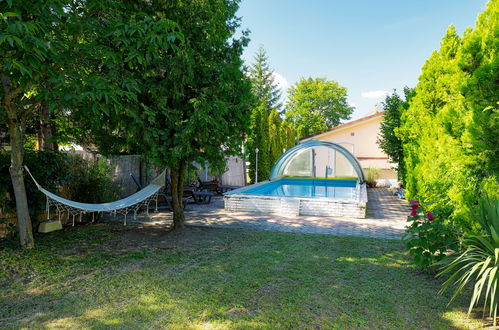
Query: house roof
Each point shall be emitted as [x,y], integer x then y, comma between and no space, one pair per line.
[345,125]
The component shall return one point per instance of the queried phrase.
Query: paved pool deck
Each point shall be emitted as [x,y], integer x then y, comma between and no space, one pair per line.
[386,218]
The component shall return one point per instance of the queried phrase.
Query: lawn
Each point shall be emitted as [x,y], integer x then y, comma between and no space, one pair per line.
[107,275]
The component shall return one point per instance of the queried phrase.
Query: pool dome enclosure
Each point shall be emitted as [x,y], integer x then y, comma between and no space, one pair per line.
[317,178]
[305,158]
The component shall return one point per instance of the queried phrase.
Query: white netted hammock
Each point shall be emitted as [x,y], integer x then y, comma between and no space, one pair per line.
[124,206]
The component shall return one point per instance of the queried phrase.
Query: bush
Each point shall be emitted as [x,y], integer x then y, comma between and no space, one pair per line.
[449,132]
[479,261]
[79,180]
[372,175]
[428,238]
[90,181]
[51,169]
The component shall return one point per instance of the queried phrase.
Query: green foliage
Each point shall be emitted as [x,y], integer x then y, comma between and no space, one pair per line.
[314,105]
[388,141]
[125,77]
[479,262]
[450,131]
[428,238]
[372,175]
[117,60]
[90,181]
[263,85]
[478,59]
[51,169]
[258,138]
[81,180]
[267,132]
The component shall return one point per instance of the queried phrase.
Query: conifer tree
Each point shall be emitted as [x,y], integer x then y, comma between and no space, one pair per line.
[389,142]
[450,131]
[265,88]
[265,128]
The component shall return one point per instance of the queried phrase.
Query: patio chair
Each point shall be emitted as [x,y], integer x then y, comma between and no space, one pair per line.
[163,193]
[215,187]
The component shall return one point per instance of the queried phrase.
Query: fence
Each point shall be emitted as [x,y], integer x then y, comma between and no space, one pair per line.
[144,172]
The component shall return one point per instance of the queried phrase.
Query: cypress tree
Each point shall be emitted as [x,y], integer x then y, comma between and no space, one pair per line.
[389,142]
[265,129]
[450,131]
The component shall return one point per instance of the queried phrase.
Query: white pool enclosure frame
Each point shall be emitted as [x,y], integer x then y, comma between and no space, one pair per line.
[243,200]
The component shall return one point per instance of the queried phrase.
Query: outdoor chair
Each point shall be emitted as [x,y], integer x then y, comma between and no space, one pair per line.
[163,193]
[214,187]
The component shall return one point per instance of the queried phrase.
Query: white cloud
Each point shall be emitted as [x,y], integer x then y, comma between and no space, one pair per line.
[353,105]
[374,94]
[280,80]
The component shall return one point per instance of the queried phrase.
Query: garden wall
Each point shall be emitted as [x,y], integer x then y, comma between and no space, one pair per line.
[123,166]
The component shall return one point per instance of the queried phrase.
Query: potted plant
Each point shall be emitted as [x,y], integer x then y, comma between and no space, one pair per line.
[372,175]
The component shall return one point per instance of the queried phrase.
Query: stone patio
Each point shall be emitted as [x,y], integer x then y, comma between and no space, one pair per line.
[386,218]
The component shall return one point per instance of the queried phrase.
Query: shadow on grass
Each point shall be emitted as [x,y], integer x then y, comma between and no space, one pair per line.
[109,276]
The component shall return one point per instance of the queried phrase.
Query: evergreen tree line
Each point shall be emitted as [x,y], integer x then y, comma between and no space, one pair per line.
[268,132]
[445,138]
[312,105]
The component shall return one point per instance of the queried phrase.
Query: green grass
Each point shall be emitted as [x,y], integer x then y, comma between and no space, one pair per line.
[106,275]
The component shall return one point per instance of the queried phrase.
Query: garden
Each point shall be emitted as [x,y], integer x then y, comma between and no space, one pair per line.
[166,81]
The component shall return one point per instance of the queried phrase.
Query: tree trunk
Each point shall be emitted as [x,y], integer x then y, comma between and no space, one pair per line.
[45,129]
[177,179]
[16,132]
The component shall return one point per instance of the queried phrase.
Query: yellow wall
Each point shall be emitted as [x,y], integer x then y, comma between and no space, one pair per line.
[363,143]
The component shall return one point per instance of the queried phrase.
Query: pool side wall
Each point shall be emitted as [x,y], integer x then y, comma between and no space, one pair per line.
[235,201]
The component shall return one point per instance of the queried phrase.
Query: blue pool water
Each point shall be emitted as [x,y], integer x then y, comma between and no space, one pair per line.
[341,189]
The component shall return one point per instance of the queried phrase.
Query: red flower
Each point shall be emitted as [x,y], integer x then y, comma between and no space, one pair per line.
[414,204]
[414,212]
[430,216]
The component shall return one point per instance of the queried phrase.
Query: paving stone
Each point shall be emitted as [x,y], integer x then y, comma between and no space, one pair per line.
[386,218]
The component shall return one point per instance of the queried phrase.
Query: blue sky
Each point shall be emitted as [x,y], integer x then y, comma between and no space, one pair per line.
[370,47]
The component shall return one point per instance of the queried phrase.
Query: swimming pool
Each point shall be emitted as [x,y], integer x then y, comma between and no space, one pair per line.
[296,186]
[343,189]
[294,197]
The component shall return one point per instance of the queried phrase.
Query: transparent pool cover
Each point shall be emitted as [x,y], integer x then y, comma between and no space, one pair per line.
[317,159]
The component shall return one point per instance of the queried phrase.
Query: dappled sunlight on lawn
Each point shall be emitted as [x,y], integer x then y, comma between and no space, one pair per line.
[212,278]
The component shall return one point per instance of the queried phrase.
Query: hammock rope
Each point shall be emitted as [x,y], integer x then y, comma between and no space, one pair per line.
[123,206]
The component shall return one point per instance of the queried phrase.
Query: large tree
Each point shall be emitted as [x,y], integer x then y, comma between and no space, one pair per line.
[25,48]
[73,57]
[265,125]
[450,130]
[316,104]
[263,83]
[388,140]
[193,104]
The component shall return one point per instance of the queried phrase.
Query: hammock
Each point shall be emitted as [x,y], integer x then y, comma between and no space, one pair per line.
[124,206]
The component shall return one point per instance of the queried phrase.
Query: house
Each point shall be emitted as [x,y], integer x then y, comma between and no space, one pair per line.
[359,137]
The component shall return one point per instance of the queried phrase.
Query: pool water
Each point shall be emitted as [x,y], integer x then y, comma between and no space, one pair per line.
[338,189]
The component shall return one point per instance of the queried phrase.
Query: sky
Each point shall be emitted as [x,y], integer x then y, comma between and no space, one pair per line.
[369,46]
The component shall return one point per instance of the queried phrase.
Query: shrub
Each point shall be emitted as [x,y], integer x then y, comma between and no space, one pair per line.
[372,175]
[428,238]
[479,261]
[81,180]
[90,181]
[449,132]
[51,169]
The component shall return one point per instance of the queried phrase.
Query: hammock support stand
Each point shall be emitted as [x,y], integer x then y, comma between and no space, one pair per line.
[124,206]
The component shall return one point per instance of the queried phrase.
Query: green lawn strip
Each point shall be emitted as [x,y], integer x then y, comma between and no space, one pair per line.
[220,278]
